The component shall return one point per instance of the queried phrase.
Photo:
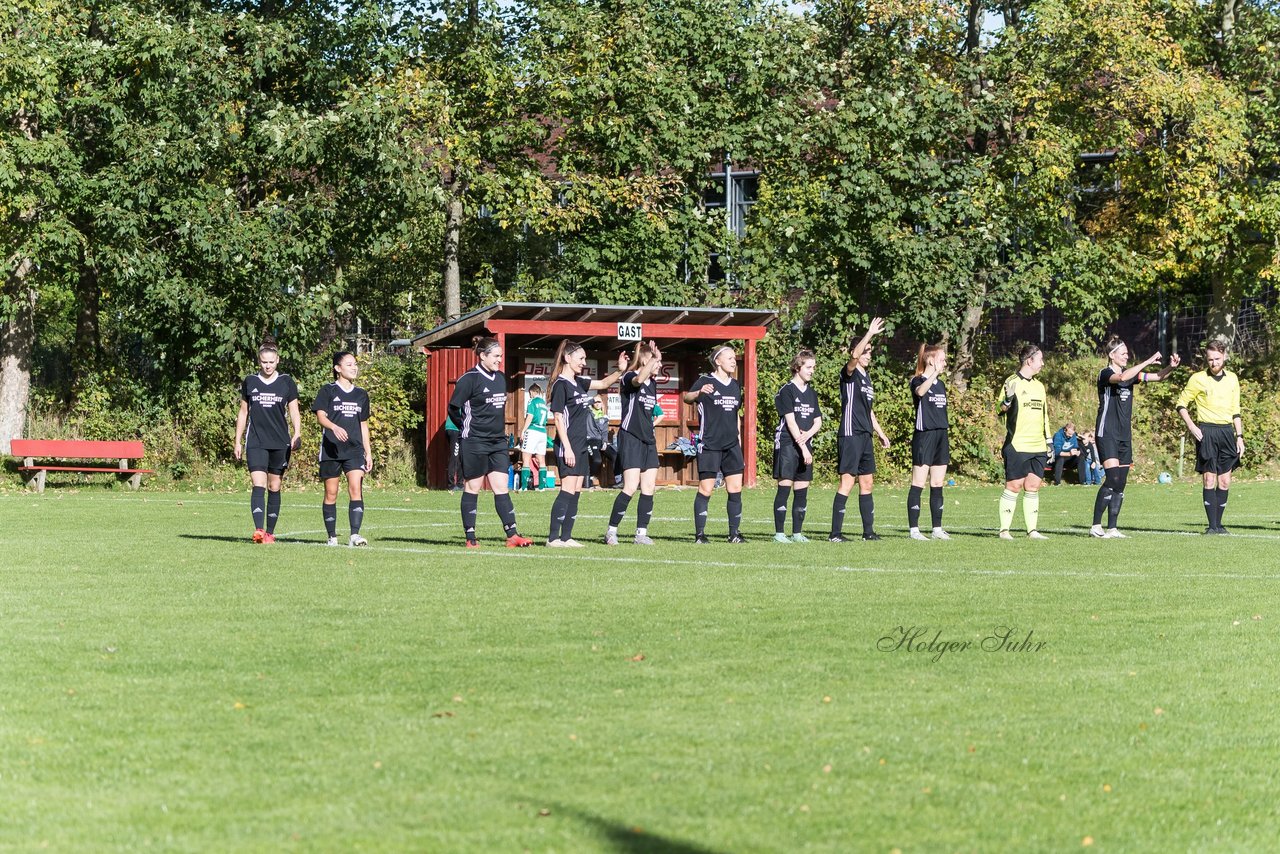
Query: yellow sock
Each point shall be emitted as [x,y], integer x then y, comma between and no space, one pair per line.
[1031,509]
[1008,502]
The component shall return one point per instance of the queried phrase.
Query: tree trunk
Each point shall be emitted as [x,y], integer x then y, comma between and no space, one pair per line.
[1224,313]
[452,240]
[17,340]
[967,339]
[1228,20]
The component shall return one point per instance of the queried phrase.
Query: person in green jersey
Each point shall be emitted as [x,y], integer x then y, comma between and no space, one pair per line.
[1218,430]
[533,440]
[1025,408]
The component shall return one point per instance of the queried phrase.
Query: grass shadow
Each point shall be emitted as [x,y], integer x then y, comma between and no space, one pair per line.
[629,839]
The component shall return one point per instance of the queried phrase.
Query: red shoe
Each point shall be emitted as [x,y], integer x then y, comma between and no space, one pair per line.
[515,541]
[259,535]
[473,544]
[268,538]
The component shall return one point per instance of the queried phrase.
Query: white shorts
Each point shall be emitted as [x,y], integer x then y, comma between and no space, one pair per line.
[534,442]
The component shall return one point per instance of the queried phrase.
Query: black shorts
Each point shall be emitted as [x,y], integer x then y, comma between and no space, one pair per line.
[1117,448]
[930,448]
[856,454]
[635,454]
[789,464]
[581,461]
[1018,465]
[1216,451]
[482,456]
[336,468]
[726,462]
[270,460]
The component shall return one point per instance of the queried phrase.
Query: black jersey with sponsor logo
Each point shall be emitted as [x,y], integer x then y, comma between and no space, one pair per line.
[637,407]
[346,409]
[572,398]
[268,401]
[931,407]
[790,400]
[478,404]
[718,412]
[1115,405]
[856,396]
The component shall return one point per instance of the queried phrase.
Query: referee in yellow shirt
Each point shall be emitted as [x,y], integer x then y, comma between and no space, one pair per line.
[1217,429]
[1025,408]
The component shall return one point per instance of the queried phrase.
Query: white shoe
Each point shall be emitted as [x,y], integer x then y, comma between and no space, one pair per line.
[555,544]
[357,540]
[939,534]
[333,541]
[610,538]
[1114,534]
[571,544]
[1036,535]
[1005,535]
[1096,531]
[916,535]
[781,538]
[643,540]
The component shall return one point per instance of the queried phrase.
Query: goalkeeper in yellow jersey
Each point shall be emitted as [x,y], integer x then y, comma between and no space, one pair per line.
[1026,446]
[1218,430]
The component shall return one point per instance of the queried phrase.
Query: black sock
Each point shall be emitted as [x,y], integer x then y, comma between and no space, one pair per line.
[867,510]
[273,510]
[470,502]
[837,514]
[619,509]
[559,511]
[506,512]
[330,514]
[1117,495]
[1211,506]
[735,512]
[355,515]
[566,529]
[258,506]
[1103,501]
[913,506]
[780,509]
[1222,504]
[936,503]
[700,504]
[644,512]
[799,505]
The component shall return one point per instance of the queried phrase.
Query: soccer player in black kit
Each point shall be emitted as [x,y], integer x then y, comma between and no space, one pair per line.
[268,407]
[799,421]
[478,406]
[572,395]
[637,444]
[930,444]
[342,408]
[1114,431]
[719,400]
[856,452]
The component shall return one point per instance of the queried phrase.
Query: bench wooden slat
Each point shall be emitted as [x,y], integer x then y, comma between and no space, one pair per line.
[85,468]
[77,449]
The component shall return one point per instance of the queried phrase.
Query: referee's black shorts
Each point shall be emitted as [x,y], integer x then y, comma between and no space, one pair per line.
[1018,464]
[482,456]
[930,448]
[1216,450]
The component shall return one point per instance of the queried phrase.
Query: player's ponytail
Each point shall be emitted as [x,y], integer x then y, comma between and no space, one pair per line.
[558,364]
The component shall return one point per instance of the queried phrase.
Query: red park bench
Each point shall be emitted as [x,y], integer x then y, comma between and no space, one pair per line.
[32,450]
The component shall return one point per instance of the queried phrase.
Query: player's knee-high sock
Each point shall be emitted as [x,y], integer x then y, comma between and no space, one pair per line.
[506,512]
[559,512]
[735,512]
[470,501]
[780,509]
[1211,506]
[524,478]
[1031,510]
[566,530]
[936,503]
[1105,493]
[644,512]
[273,510]
[1222,504]
[913,506]
[258,506]
[1008,504]
[1117,494]
[355,515]
[700,504]
[330,514]
[867,510]
[837,514]
[619,510]
[799,506]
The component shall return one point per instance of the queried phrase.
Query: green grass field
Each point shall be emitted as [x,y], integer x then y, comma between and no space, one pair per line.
[169,685]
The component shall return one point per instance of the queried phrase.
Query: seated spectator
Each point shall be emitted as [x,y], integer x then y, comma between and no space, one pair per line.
[1066,451]
[1090,465]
